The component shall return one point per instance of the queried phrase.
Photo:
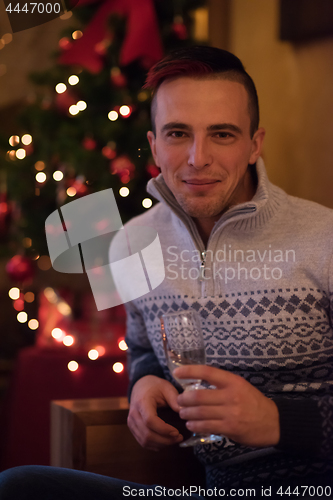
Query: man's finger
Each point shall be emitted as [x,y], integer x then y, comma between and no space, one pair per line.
[215,376]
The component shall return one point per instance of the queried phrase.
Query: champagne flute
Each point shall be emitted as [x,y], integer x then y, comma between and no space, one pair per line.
[184,345]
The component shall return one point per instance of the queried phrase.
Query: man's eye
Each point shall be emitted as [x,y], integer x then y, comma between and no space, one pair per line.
[176,133]
[223,135]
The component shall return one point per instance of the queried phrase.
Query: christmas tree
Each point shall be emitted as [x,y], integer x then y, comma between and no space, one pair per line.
[85,130]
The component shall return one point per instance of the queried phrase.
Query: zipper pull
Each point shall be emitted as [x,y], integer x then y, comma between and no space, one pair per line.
[202,266]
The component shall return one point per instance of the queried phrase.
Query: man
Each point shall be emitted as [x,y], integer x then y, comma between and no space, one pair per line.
[257,266]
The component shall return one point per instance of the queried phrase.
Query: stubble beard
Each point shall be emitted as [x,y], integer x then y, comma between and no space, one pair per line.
[201,206]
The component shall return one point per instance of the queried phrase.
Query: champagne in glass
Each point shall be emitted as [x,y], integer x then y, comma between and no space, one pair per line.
[184,345]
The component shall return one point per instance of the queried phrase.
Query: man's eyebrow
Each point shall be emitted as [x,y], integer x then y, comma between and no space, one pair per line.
[172,125]
[210,128]
[224,126]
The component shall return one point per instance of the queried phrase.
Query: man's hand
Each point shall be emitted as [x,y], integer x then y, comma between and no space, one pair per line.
[148,394]
[235,409]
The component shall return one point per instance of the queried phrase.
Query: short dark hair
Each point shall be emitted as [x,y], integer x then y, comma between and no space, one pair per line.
[201,62]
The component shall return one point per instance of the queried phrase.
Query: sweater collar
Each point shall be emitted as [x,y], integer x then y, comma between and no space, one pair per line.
[248,215]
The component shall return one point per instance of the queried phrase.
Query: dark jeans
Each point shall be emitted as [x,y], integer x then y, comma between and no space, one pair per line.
[33,482]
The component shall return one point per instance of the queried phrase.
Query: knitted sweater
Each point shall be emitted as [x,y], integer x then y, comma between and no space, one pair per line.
[264,290]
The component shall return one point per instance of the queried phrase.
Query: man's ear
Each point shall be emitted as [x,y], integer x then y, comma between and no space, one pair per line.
[257,143]
[152,142]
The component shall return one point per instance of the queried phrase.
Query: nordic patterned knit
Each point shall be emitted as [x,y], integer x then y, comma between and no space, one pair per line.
[265,302]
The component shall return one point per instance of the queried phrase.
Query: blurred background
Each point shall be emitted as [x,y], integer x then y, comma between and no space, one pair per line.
[74,119]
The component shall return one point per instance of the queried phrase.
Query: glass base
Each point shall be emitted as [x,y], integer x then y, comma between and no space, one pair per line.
[201,439]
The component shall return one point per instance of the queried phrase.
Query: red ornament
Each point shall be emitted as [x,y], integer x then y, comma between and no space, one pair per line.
[65,100]
[179,29]
[109,152]
[123,166]
[153,170]
[64,43]
[89,144]
[5,215]
[20,268]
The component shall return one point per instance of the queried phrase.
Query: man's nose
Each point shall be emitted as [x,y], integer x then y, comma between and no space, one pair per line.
[199,155]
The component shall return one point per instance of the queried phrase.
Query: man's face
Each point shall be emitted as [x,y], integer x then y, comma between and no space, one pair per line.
[203,144]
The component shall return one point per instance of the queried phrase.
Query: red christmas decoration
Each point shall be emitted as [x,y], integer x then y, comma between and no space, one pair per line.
[20,268]
[80,187]
[123,166]
[118,79]
[153,170]
[109,152]
[65,100]
[89,144]
[5,215]
[179,29]
[142,40]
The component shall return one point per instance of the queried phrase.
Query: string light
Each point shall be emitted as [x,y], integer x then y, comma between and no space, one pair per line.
[20,153]
[14,140]
[73,366]
[147,203]
[27,242]
[14,293]
[142,96]
[33,324]
[82,105]
[22,317]
[57,333]
[12,154]
[73,110]
[125,111]
[60,88]
[39,165]
[29,297]
[73,80]
[71,191]
[58,175]
[100,349]
[40,177]
[26,139]
[113,116]
[64,308]
[50,295]
[124,191]
[122,345]
[18,305]
[93,354]
[68,340]
[118,367]
[77,34]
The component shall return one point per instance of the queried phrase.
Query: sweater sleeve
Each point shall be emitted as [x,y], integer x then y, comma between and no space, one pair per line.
[306,425]
[141,357]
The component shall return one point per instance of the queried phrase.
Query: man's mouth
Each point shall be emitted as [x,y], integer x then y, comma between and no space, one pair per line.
[200,182]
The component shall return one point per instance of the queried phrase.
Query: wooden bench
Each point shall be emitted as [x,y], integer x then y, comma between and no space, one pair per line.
[92,435]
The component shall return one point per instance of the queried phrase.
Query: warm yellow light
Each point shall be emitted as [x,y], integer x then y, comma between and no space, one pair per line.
[77,34]
[60,88]
[142,96]
[93,354]
[58,175]
[33,324]
[14,140]
[113,115]
[118,367]
[147,203]
[73,110]
[27,242]
[44,262]
[20,153]
[73,80]
[50,295]
[81,105]
[40,177]
[124,191]
[71,191]
[26,139]
[12,154]
[57,333]
[7,38]
[22,317]
[122,345]
[73,366]
[29,297]
[124,110]
[64,308]
[68,340]
[39,165]
[14,293]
